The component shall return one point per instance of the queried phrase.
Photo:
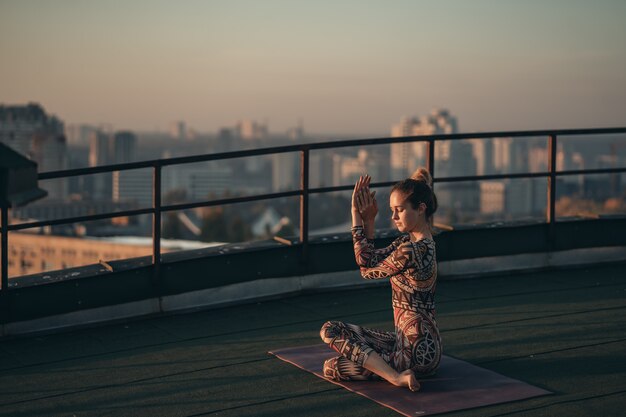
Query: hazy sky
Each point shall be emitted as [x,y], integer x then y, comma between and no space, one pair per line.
[341,66]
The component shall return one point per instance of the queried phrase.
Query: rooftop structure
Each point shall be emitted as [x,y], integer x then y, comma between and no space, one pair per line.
[563,331]
[558,326]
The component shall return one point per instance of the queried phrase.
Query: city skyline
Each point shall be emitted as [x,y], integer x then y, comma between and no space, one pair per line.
[347,67]
[41,137]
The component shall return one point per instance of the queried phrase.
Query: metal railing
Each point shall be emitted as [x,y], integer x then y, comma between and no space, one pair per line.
[304,191]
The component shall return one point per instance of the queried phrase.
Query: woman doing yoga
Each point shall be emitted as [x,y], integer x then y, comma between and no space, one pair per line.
[414,348]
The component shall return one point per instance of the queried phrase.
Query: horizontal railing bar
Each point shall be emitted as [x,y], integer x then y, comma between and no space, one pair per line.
[348,187]
[320,145]
[97,170]
[91,217]
[591,171]
[210,203]
[492,177]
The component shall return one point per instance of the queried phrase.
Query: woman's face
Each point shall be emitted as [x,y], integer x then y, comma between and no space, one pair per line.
[404,216]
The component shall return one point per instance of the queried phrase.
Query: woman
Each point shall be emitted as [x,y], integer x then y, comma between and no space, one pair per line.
[414,349]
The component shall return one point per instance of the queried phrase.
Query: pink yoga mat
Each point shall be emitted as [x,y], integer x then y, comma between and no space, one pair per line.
[458,385]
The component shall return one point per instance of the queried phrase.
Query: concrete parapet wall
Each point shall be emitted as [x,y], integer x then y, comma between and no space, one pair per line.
[207,279]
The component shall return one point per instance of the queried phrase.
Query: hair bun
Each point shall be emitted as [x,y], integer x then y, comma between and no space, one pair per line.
[422,174]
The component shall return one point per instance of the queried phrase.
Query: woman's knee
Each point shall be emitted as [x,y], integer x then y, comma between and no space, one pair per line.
[329,331]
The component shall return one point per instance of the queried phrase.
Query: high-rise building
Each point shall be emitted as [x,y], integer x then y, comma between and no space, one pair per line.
[482,149]
[250,129]
[133,185]
[225,141]
[511,155]
[99,185]
[216,180]
[39,136]
[79,134]
[123,147]
[285,171]
[321,169]
[178,130]
[492,197]
[347,169]
[108,149]
[406,157]
[296,133]
[50,152]
[99,153]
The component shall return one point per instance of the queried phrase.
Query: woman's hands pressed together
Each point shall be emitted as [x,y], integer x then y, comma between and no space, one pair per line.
[364,205]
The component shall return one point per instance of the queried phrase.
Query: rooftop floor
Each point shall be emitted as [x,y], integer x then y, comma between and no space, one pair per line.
[564,331]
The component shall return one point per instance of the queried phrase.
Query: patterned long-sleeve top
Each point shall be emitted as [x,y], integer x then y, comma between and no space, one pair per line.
[412,270]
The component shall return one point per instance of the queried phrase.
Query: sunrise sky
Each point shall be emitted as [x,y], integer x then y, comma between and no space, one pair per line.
[341,66]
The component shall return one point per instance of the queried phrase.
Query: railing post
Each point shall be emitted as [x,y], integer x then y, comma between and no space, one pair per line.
[304,204]
[156,230]
[4,223]
[550,212]
[430,159]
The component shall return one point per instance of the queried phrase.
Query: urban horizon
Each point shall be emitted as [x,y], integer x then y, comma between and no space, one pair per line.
[42,137]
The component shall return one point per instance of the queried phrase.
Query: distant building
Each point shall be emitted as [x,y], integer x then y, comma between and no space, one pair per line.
[178,130]
[347,170]
[39,136]
[406,157]
[285,171]
[482,150]
[79,134]
[296,133]
[215,180]
[320,169]
[492,197]
[50,151]
[123,147]
[250,129]
[32,254]
[199,181]
[99,149]
[115,148]
[48,210]
[512,198]
[111,148]
[226,141]
[511,155]
[99,186]
[133,186]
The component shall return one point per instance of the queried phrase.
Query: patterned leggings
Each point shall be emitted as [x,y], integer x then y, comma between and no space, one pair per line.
[354,343]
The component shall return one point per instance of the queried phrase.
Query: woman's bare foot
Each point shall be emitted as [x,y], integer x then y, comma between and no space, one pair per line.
[407,379]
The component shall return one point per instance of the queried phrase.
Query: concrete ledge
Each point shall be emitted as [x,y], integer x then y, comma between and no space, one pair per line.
[470,268]
[264,289]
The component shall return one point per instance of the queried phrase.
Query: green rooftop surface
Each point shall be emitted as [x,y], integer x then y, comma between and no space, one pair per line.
[564,331]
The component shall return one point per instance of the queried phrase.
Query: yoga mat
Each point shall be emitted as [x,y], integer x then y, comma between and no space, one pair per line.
[458,385]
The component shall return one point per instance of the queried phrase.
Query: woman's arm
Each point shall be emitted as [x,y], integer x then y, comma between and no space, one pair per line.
[365,252]
[399,260]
